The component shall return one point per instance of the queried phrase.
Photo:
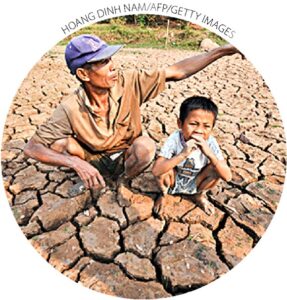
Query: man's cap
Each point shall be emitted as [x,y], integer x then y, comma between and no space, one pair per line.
[86,48]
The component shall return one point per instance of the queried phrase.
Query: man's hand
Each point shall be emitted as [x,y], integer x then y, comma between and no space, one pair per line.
[189,66]
[230,50]
[90,176]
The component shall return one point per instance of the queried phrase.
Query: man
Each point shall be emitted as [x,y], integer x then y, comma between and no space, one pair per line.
[97,130]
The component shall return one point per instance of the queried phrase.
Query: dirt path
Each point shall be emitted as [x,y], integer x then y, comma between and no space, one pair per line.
[131,242]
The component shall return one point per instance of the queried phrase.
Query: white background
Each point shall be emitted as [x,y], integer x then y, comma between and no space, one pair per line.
[28,30]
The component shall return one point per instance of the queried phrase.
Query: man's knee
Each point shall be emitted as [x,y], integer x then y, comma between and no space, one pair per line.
[144,149]
[139,156]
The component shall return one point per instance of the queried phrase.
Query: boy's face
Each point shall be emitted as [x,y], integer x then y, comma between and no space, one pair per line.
[198,122]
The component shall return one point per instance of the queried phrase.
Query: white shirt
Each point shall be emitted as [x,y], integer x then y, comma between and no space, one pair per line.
[188,169]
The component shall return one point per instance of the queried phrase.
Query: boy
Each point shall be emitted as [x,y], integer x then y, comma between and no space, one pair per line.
[190,162]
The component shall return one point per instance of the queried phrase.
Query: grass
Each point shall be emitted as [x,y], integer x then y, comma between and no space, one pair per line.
[137,36]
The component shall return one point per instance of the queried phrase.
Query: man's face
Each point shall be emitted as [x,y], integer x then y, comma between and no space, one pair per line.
[198,122]
[102,74]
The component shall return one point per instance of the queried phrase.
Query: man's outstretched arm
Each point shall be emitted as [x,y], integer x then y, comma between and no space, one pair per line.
[189,66]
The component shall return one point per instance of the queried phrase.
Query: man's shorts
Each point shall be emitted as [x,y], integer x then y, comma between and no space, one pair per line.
[110,165]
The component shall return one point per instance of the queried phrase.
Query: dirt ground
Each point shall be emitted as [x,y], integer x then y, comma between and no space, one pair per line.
[130,241]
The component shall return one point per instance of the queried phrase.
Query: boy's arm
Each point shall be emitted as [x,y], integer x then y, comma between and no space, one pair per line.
[219,165]
[162,165]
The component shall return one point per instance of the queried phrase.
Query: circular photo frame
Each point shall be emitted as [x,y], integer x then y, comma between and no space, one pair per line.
[131,239]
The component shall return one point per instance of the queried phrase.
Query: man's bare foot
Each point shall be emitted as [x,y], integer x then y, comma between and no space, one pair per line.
[204,204]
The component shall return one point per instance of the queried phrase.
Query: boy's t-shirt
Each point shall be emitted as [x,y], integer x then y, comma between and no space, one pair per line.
[188,169]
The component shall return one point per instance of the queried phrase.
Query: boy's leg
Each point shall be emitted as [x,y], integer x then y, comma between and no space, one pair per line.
[166,180]
[139,156]
[206,180]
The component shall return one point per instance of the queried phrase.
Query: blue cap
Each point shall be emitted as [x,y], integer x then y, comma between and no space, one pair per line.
[85,49]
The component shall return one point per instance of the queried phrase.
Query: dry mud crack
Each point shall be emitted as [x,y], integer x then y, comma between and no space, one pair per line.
[132,242]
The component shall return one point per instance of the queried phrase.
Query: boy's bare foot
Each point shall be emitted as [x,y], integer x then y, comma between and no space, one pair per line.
[164,189]
[204,204]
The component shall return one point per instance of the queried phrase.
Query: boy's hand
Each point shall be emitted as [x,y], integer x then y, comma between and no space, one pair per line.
[190,146]
[201,143]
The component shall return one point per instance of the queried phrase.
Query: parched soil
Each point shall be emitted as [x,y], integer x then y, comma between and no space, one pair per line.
[130,241]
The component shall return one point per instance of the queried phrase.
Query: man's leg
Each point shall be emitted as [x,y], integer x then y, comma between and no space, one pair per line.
[206,180]
[139,155]
[72,147]
[68,145]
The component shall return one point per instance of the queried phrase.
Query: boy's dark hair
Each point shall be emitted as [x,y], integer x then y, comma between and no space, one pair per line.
[197,102]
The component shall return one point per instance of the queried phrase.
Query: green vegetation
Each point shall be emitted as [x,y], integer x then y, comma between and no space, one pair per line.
[259,185]
[271,191]
[212,265]
[190,238]
[144,31]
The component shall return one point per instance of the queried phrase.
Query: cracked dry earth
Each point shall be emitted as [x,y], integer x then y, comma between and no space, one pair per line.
[130,241]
